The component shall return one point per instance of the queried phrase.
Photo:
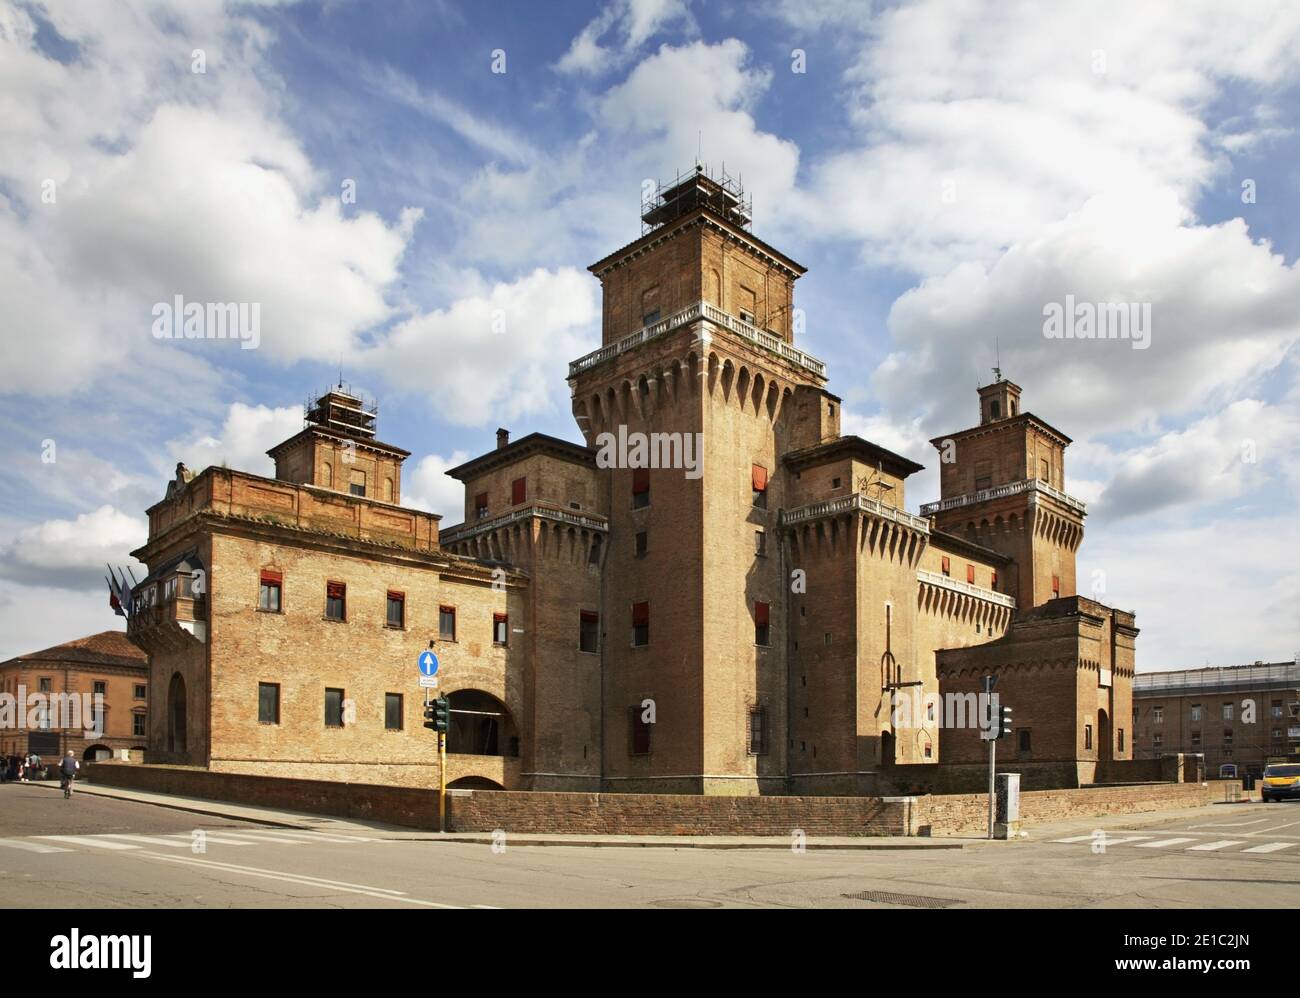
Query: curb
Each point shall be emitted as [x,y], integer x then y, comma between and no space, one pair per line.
[98,792]
[604,844]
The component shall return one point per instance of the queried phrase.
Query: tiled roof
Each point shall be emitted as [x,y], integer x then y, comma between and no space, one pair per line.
[105,648]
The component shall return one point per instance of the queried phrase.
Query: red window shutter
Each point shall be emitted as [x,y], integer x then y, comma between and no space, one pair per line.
[480,501]
[945,564]
[499,618]
[271,576]
[335,590]
[760,478]
[1056,583]
[394,594]
[640,481]
[590,616]
[518,491]
[640,614]
[761,611]
[447,609]
[994,583]
[970,573]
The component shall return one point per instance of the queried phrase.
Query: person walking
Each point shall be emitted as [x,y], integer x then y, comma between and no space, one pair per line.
[68,772]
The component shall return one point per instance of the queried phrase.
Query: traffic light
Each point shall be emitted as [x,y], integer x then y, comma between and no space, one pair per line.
[1004,722]
[437,714]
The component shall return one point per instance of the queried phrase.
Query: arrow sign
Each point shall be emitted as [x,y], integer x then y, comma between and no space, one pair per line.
[428,663]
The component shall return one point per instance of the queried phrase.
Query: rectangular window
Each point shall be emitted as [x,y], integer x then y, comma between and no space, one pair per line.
[983,483]
[640,488]
[138,725]
[758,474]
[758,731]
[268,596]
[268,703]
[760,543]
[1158,715]
[396,609]
[761,623]
[1044,470]
[393,711]
[1121,739]
[993,582]
[1275,710]
[1157,740]
[640,624]
[336,600]
[589,631]
[650,318]
[1227,737]
[1227,712]
[946,566]
[1196,712]
[101,688]
[970,574]
[333,708]
[642,543]
[141,691]
[1056,587]
[1087,736]
[447,623]
[481,505]
[639,734]
[46,684]
[500,629]
[518,491]
[357,483]
[1196,739]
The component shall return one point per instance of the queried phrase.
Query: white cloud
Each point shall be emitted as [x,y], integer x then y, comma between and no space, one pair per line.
[71,554]
[500,354]
[245,436]
[426,486]
[629,24]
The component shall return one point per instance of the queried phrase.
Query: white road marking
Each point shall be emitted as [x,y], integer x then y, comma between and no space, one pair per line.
[1271,847]
[31,846]
[88,840]
[1106,839]
[1127,838]
[1212,846]
[301,880]
[225,840]
[1162,843]
[1230,824]
[152,840]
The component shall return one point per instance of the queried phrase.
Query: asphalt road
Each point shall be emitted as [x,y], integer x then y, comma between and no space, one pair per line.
[98,852]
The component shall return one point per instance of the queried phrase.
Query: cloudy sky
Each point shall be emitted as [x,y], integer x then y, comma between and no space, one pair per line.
[943,168]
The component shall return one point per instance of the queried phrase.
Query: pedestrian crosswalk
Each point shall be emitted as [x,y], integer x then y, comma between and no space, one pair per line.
[1180,843]
[195,841]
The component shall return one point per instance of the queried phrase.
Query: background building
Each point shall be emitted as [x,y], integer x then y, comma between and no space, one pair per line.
[1246,715]
[108,664]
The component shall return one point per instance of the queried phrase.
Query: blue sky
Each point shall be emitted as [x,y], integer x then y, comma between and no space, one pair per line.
[943,169]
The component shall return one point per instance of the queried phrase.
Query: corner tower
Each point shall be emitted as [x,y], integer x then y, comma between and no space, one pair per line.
[1002,485]
[699,370]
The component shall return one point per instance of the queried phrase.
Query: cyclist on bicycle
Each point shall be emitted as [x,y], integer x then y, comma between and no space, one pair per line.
[68,772]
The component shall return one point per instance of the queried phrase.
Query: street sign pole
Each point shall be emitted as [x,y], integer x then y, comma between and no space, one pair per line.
[442,781]
[989,683]
[993,751]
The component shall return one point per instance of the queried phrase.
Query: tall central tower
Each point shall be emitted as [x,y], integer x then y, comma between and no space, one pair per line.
[694,396]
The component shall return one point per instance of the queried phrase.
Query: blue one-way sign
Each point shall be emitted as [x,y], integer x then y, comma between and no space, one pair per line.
[428,663]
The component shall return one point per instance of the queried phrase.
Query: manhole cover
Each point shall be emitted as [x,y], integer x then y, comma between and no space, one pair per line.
[911,900]
[686,903]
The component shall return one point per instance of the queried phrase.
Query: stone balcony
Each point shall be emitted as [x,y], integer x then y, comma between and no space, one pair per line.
[701,310]
[850,503]
[965,588]
[1000,491]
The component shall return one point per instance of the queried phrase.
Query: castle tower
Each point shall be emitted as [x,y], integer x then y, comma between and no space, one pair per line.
[1002,486]
[691,402]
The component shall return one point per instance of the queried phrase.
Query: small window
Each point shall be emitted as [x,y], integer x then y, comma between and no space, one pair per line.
[268,703]
[640,488]
[1157,740]
[1044,470]
[762,629]
[393,711]
[640,624]
[336,600]
[1227,737]
[101,688]
[758,474]
[141,691]
[639,740]
[268,597]
[993,581]
[481,506]
[1087,736]
[518,491]
[139,725]
[1056,587]
[589,631]
[46,684]
[983,482]
[1120,733]
[500,629]
[593,556]
[650,318]
[1227,712]
[447,623]
[946,566]
[995,409]
[746,316]
[760,543]
[835,483]
[1024,740]
[758,731]
[1158,715]
[356,488]
[642,541]
[396,609]
[333,708]
[970,574]
[1196,712]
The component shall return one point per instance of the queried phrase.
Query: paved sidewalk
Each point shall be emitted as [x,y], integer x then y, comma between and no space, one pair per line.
[295,819]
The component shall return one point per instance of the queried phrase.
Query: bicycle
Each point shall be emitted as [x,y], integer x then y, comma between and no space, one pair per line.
[67,788]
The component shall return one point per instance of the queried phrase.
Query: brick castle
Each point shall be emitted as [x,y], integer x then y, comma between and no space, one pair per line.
[718,592]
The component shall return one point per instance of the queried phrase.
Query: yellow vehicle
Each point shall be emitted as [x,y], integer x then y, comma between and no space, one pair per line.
[1281,781]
